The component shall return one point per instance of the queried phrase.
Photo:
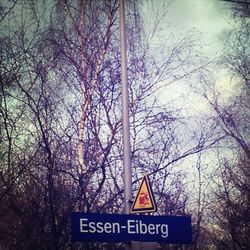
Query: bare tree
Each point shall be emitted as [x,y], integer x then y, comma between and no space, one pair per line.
[61,118]
[231,201]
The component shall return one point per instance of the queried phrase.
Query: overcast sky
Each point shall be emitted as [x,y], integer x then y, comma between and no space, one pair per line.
[212,19]
[209,17]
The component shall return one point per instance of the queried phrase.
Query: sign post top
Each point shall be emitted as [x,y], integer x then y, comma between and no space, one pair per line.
[144,201]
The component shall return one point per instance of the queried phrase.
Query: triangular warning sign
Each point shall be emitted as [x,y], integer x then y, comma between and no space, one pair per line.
[144,201]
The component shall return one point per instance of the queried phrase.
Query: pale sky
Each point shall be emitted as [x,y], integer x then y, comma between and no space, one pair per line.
[212,19]
[209,17]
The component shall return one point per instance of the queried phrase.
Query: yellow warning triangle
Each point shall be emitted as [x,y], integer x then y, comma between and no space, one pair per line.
[144,201]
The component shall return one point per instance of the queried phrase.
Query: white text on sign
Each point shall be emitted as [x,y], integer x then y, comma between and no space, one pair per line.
[132,227]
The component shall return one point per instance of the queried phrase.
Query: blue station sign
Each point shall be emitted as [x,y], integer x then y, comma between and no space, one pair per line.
[124,228]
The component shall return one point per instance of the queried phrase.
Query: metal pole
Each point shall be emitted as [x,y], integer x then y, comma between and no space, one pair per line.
[125,114]
[125,118]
